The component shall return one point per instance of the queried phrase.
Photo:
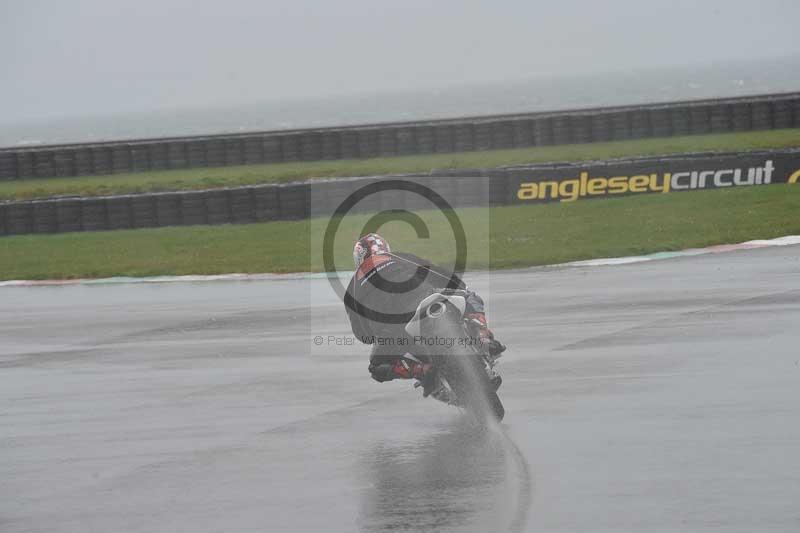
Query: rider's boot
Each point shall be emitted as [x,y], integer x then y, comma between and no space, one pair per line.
[485,335]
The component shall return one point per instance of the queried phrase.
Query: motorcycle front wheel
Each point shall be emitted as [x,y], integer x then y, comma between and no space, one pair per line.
[466,375]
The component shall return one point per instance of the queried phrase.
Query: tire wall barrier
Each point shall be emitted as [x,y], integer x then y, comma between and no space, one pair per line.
[437,136]
[461,188]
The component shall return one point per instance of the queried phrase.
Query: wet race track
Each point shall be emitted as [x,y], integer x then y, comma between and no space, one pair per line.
[660,396]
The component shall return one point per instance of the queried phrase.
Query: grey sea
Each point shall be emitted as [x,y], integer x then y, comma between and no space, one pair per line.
[578,91]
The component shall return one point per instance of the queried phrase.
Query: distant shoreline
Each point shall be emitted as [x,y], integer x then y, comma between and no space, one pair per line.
[547,94]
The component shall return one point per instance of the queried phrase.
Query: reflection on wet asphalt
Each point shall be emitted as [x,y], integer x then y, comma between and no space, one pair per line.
[655,397]
[444,481]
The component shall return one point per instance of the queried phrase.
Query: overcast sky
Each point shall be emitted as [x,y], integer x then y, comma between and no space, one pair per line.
[61,58]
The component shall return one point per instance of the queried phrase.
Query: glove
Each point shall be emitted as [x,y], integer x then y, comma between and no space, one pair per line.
[485,335]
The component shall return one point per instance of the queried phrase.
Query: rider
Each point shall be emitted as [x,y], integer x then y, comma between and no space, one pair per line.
[393,284]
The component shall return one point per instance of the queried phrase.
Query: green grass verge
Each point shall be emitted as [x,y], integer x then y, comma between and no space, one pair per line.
[503,237]
[205,178]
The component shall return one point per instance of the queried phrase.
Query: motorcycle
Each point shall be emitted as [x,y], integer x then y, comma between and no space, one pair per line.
[465,374]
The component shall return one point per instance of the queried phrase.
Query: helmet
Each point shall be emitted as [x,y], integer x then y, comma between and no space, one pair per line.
[369,245]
